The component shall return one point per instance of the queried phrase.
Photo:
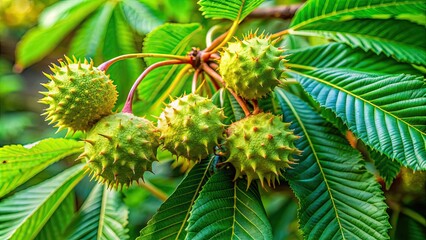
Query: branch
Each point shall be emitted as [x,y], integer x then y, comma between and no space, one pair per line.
[128,105]
[282,12]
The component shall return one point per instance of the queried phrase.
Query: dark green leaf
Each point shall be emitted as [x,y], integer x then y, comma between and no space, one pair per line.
[171,219]
[387,112]
[226,209]
[402,40]
[19,163]
[338,198]
[102,216]
[339,55]
[231,9]
[24,214]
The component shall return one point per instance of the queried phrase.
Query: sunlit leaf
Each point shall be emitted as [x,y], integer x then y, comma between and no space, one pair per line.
[24,214]
[231,9]
[63,215]
[47,38]
[318,11]
[140,17]
[19,163]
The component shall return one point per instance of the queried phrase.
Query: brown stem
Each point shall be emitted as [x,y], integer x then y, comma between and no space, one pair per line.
[128,105]
[282,12]
[194,80]
[216,42]
[256,106]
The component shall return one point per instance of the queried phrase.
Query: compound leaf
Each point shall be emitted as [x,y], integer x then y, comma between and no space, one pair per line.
[170,221]
[387,168]
[338,197]
[387,112]
[24,214]
[232,9]
[19,163]
[102,216]
[226,209]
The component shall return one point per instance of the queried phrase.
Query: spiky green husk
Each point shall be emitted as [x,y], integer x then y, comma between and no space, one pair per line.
[120,148]
[260,146]
[78,95]
[191,126]
[251,67]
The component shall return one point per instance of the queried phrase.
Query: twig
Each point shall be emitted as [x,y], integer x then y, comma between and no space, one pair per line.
[155,191]
[104,66]
[195,79]
[282,12]
[128,105]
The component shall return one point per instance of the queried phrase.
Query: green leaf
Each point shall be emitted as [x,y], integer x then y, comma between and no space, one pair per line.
[91,35]
[167,39]
[402,40]
[231,9]
[171,219]
[387,112]
[119,40]
[226,209]
[338,197]
[47,38]
[19,163]
[58,11]
[140,17]
[24,214]
[232,110]
[318,11]
[387,168]
[102,216]
[339,55]
[62,215]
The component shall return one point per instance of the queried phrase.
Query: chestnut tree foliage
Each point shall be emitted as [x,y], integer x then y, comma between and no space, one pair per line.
[353,90]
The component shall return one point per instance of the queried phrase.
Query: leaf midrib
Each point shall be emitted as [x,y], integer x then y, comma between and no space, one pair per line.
[316,158]
[349,10]
[358,97]
[102,213]
[193,200]
[56,204]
